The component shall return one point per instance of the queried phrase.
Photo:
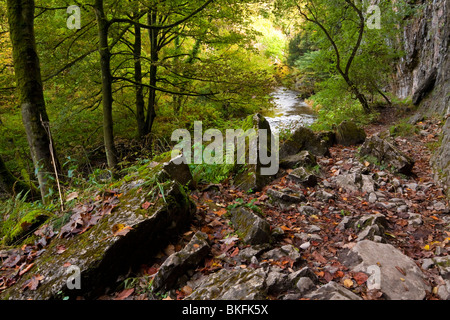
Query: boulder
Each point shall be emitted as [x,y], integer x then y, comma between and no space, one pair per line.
[303,176]
[178,170]
[304,139]
[285,197]
[240,284]
[251,176]
[399,277]
[176,265]
[302,159]
[252,228]
[139,225]
[356,182]
[348,133]
[387,153]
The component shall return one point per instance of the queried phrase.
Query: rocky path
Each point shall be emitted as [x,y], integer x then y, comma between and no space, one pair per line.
[358,232]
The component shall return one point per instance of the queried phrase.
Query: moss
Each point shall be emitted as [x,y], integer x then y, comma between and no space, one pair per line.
[26,225]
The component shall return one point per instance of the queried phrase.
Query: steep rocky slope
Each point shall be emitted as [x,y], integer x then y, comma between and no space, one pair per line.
[423,74]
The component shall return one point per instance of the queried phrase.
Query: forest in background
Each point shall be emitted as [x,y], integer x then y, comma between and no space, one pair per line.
[115,87]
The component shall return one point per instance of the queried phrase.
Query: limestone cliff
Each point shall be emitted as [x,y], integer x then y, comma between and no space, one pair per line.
[423,74]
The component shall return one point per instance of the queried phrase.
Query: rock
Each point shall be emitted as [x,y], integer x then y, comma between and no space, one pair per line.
[246,254]
[356,182]
[348,134]
[304,139]
[386,153]
[288,251]
[285,197]
[241,284]
[307,272]
[372,197]
[332,291]
[29,222]
[443,265]
[177,264]
[369,227]
[178,170]
[324,195]
[98,253]
[309,211]
[252,228]
[304,177]
[302,159]
[277,282]
[305,284]
[251,176]
[400,278]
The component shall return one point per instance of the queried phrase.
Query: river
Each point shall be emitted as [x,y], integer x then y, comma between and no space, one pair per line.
[289,110]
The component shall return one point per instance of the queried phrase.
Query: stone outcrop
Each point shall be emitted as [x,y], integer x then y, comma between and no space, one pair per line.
[348,134]
[398,277]
[171,272]
[251,176]
[423,73]
[252,228]
[138,227]
[304,139]
[386,153]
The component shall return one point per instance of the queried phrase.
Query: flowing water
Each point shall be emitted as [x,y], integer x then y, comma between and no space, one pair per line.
[289,111]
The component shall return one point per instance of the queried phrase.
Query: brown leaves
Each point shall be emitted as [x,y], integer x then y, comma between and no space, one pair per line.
[32,283]
[87,215]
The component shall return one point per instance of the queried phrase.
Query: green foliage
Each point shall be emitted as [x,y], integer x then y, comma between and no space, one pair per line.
[16,214]
[335,104]
[403,129]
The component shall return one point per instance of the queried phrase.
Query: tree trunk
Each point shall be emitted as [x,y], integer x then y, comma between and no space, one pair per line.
[13,186]
[361,97]
[153,34]
[140,103]
[29,85]
[107,97]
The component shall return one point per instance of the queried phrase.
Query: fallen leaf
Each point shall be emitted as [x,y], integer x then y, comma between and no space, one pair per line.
[348,283]
[317,256]
[146,205]
[26,269]
[60,249]
[32,283]
[186,290]
[169,250]
[360,277]
[400,270]
[120,229]
[72,196]
[220,212]
[125,294]
[11,261]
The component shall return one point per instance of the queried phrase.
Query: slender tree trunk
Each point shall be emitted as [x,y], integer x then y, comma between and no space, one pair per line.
[361,97]
[13,186]
[29,84]
[154,57]
[140,103]
[107,96]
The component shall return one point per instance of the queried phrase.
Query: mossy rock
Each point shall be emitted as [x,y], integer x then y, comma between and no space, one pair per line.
[305,139]
[348,133]
[249,177]
[99,253]
[26,225]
